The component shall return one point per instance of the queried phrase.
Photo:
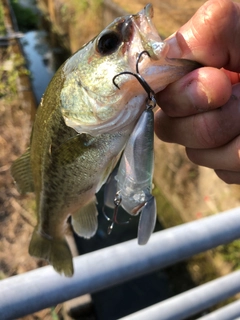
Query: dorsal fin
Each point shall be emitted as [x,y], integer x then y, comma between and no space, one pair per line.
[22,173]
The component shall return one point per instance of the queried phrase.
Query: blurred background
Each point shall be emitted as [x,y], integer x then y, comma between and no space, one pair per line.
[36,37]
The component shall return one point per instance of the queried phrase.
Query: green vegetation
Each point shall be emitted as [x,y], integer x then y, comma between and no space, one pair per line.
[2,275]
[26,18]
[10,70]
[231,253]
[84,5]
[168,215]
[2,25]
[54,314]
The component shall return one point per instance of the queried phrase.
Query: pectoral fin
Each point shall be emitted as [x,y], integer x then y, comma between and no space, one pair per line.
[22,173]
[85,221]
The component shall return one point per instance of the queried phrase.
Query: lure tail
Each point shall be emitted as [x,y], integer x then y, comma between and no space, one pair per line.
[147,221]
[56,251]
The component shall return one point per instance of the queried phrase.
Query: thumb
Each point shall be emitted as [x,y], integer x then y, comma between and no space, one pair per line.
[211,36]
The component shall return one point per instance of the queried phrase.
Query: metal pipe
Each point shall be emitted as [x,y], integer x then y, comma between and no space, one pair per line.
[229,312]
[27,293]
[192,301]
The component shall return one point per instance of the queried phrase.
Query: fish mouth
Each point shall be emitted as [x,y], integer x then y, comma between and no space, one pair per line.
[158,70]
[138,31]
[140,35]
[150,39]
[143,20]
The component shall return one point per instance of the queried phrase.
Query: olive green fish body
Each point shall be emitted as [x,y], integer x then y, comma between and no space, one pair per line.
[82,125]
[68,169]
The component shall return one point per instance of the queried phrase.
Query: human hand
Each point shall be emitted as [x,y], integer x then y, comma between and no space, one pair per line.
[202,110]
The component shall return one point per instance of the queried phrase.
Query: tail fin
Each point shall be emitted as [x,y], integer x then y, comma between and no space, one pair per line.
[56,251]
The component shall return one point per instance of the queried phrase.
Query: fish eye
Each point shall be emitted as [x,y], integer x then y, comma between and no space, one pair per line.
[108,43]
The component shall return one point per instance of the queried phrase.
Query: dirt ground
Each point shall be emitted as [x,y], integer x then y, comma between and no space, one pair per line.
[16,219]
[168,15]
[17,215]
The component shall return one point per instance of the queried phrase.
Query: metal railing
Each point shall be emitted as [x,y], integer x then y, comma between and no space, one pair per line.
[38,289]
[194,301]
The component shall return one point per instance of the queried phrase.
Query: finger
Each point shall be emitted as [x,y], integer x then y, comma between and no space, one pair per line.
[204,130]
[226,158]
[201,90]
[234,77]
[229,176]
[211,36]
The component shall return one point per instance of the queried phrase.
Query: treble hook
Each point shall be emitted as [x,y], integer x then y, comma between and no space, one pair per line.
[141,80]
[117,202]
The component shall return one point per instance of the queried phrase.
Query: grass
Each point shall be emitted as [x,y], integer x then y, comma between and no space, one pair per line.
[2,25]
[10,70]
[231,253]
[168,215]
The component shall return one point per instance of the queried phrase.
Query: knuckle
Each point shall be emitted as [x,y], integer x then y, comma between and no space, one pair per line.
[204,132]
[215,10]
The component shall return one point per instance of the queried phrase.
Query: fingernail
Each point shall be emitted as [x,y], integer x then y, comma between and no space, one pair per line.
[199,95]
[174,50]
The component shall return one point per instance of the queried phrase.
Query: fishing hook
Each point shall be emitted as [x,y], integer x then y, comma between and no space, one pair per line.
[117,202]
[151,103]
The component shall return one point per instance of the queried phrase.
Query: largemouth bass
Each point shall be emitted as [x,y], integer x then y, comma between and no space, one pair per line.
[82,126]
